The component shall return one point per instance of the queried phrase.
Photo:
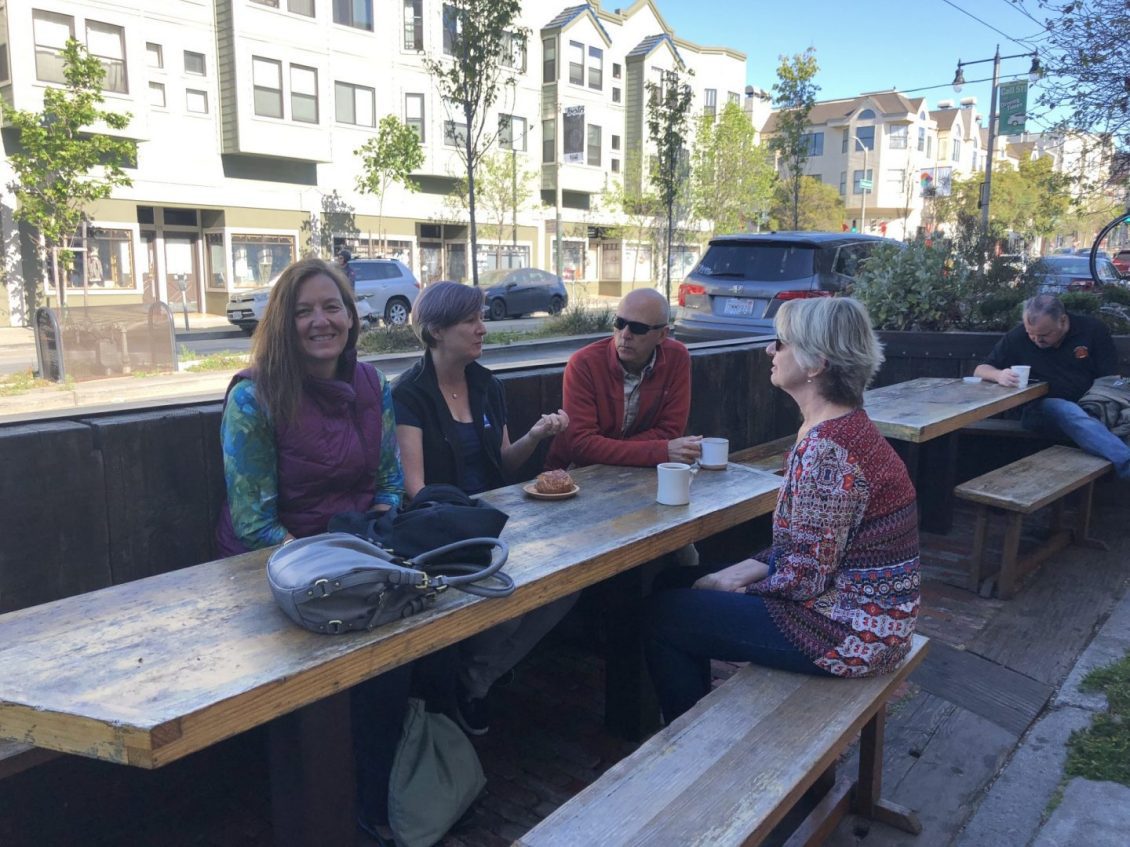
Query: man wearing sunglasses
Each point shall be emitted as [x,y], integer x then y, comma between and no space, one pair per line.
[629,396]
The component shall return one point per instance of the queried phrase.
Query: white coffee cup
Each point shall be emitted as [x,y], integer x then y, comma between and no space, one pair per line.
[1022,371]
[674,484]
[715,452]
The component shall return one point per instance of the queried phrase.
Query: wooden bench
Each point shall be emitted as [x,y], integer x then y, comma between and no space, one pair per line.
[1020,489]
[769,456]
[729,770]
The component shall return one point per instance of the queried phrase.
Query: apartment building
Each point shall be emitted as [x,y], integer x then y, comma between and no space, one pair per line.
[248,113]
[906,151]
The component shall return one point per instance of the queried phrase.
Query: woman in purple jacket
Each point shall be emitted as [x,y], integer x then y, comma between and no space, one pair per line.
[308,432]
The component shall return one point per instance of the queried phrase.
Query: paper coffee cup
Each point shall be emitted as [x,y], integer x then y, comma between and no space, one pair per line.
[715,452]
[1023,372]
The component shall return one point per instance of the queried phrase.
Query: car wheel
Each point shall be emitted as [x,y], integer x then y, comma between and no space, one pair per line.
[556,305]
[396,311]
[248,330]
[497,309]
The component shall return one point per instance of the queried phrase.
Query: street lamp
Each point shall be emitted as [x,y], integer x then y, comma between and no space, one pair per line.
[863,189]
[1034,73]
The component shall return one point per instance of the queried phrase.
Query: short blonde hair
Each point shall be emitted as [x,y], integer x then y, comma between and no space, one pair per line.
[835,332]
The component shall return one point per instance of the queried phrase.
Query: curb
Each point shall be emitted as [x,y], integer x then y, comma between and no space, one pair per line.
[208,334]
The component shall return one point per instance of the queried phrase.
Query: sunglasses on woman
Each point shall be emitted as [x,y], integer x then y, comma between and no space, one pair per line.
[637,327]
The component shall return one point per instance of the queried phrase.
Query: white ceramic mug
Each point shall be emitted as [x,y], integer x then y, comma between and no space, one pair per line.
[674,484]
[715,452]
[1022,371]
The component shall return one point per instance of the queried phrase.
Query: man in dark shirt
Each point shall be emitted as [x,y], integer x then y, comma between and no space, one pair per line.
[1068,352]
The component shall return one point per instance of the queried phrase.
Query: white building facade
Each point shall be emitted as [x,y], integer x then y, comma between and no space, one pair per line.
[247,114]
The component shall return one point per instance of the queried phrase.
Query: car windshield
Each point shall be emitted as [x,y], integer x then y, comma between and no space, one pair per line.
[759,262]
[492,277]
[1065,265]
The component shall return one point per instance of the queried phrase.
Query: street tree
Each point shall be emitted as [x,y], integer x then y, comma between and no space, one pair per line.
[733,176]
[504,189]
[387,159]
[336,218]
[640,209]
[817,206]
[668,109]
[1087,66]
[483,50]
[794,94]
[1032,201]
[65,160]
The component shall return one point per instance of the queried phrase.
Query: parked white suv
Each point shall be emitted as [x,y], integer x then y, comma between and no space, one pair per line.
[385,290]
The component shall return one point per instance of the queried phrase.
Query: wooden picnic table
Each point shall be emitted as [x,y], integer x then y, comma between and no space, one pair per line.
[147,672]
[929,411]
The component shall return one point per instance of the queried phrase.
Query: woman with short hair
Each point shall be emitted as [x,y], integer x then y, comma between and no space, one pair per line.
[838,591]
[451,422]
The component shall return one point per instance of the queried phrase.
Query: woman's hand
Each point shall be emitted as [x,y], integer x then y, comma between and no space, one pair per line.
[550,425]
[734,578]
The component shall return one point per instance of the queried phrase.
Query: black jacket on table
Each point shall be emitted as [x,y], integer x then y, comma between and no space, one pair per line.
[418,390]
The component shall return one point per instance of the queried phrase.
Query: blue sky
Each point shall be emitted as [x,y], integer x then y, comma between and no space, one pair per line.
[865,46]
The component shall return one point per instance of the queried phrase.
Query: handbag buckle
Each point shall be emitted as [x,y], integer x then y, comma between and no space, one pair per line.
[431,586]
[320,588]
[335,627]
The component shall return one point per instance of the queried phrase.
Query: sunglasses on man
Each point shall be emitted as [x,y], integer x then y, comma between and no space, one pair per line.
[637,327]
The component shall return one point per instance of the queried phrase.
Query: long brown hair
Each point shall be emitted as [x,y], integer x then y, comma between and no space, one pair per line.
[276,351]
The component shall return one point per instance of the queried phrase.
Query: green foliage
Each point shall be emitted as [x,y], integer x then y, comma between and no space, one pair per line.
[578,320]
[1081,302]
[64,163]
[389,339]
[21,383]
[668,108]
[484,40]
[1102,751]
[794,93]
[913,288]
[222,361]
[505,187]
[819,206]
[733,177]
[389,157]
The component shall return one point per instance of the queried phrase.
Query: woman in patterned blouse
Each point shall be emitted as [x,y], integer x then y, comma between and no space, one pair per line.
[837,593]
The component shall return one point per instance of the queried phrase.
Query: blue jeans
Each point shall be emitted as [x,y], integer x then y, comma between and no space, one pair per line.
[1059,418]
[688,627]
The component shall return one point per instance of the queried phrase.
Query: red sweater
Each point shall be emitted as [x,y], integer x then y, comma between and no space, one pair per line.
[593,395]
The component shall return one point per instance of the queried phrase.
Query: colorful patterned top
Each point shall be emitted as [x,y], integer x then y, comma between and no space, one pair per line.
[251,461]
[845,583]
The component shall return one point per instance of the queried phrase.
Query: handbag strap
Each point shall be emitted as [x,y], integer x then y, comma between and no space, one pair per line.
[465,576]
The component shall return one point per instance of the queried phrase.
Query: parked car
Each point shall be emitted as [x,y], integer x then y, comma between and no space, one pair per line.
[1121,262]
[741,281]
[1059,273]
[510,293]
[385,289]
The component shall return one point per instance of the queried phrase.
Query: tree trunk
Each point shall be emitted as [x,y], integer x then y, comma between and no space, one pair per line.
[473,259]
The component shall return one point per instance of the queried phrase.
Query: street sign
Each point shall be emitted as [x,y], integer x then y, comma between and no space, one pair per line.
[1013,109]
[865,184]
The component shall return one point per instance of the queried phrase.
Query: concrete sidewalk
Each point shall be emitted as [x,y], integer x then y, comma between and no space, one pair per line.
[1096,814]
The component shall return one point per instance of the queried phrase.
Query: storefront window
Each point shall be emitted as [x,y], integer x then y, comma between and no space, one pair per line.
[573,264]
[107,263]
[259,258]
[217,265]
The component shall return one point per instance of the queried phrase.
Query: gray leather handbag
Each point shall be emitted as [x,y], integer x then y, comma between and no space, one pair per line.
[336,582]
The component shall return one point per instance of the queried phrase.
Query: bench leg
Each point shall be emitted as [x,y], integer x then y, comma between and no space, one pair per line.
[977,557]
[312,781]
[1006,582]
[1082,527]
[868,790]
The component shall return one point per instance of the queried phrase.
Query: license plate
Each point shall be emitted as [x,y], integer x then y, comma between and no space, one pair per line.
[240,313]
[741,306]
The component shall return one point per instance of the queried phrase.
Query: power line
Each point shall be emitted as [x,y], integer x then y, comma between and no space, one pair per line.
[985,23]
[1019,6]
[950,84]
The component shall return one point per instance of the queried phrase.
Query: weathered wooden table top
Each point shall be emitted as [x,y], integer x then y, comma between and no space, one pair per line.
[149,671]
[922,409]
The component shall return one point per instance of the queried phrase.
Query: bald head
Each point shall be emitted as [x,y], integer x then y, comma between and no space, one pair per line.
[648,300]
[648,311]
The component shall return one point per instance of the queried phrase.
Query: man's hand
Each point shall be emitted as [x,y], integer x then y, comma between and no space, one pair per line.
[1006,377]
[685,449]
[734,578]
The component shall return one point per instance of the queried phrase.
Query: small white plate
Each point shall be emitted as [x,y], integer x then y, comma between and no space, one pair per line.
[532,490]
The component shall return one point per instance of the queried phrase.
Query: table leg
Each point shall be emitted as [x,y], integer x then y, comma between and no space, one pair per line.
[630,708]
[312,780]
[937,476]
